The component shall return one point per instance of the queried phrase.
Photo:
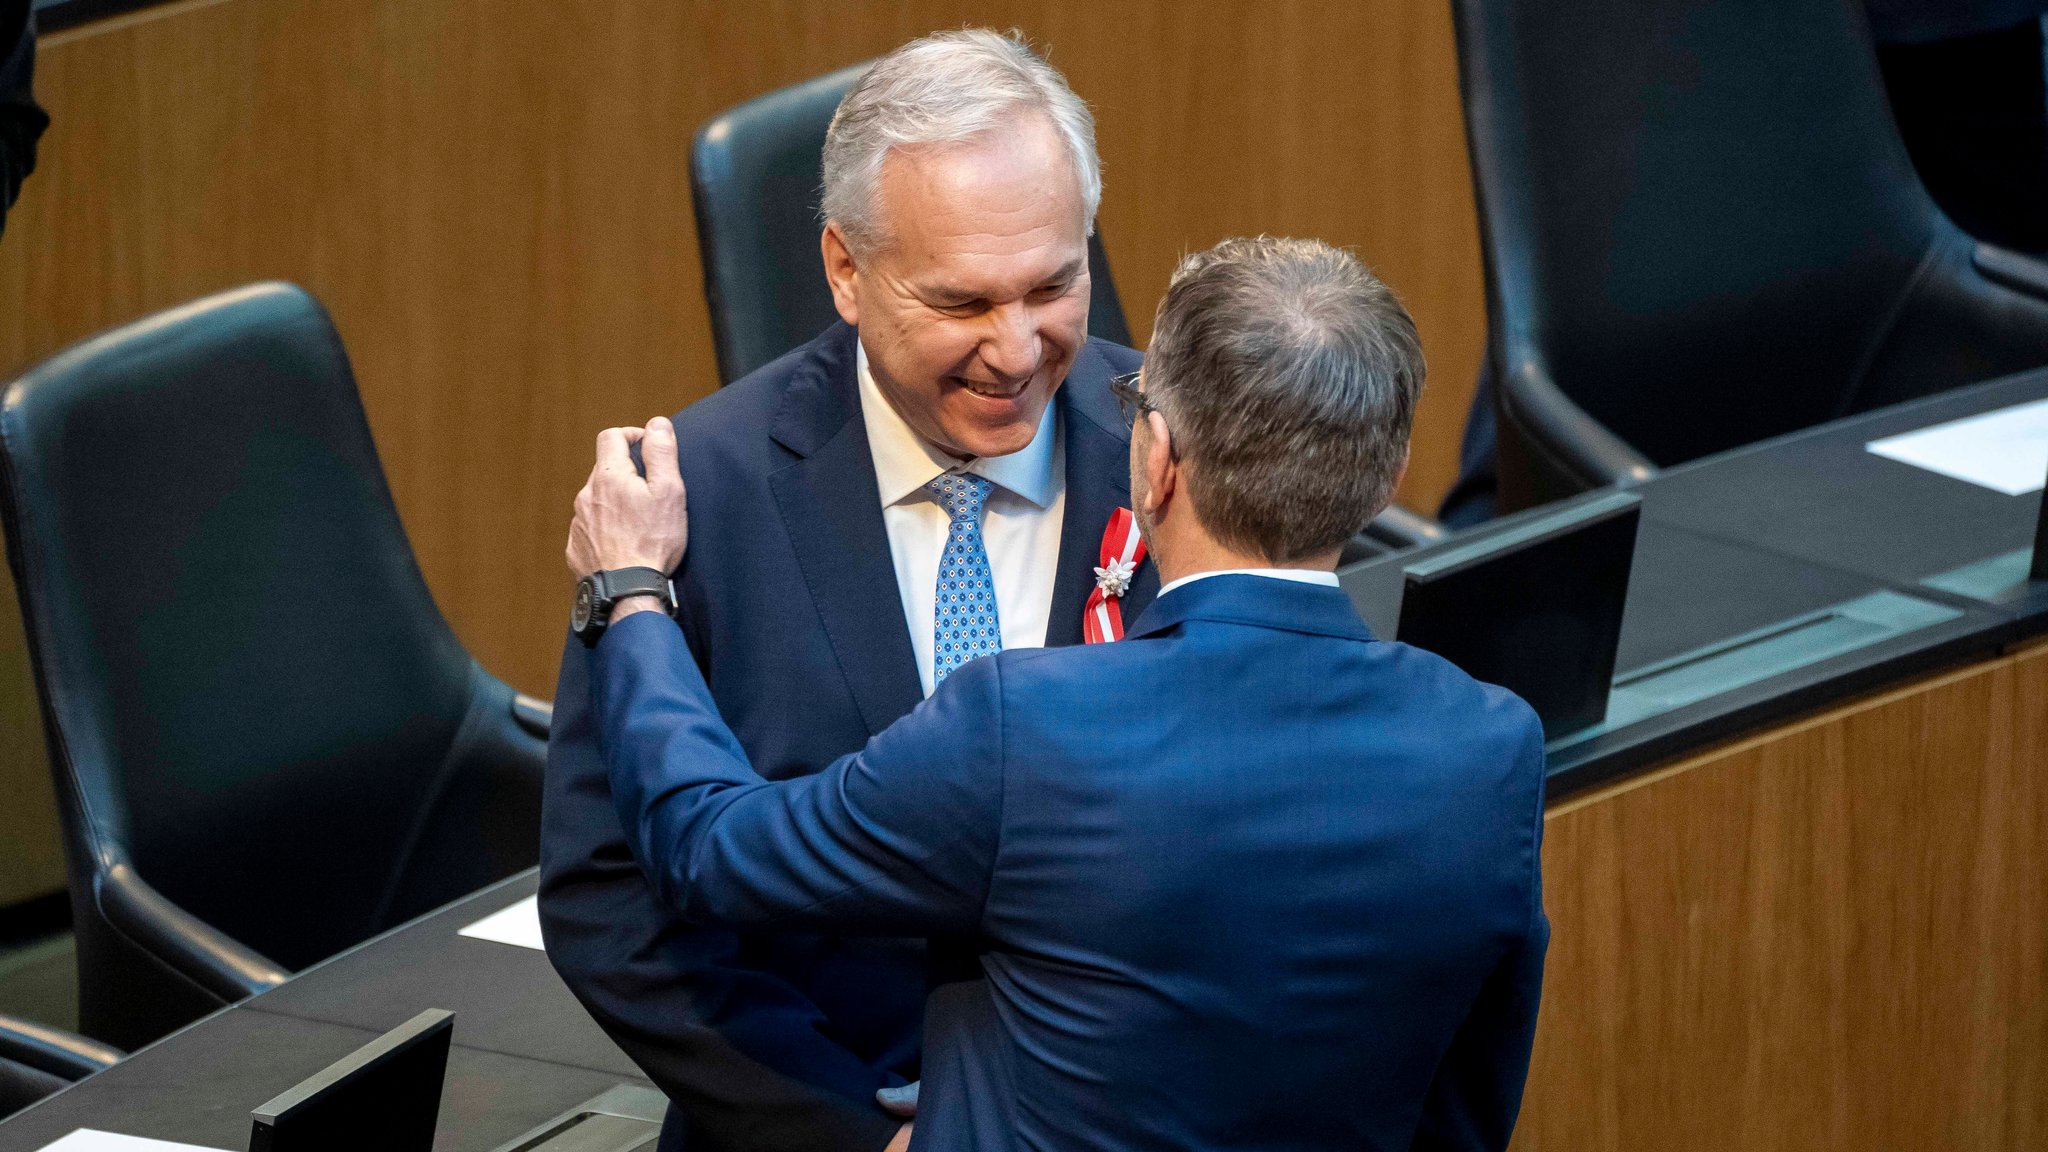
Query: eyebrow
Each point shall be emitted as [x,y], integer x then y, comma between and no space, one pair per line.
[946,297]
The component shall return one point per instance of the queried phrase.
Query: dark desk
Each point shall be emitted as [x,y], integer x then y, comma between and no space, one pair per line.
[1819,497]
[524,1050]
[1808,564]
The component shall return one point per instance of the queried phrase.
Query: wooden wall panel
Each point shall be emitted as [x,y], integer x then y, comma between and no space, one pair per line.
[491,197]
[1829,937]
[31,851]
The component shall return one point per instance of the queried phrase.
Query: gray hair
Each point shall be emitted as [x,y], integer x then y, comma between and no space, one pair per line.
[946,88]
[1288,376]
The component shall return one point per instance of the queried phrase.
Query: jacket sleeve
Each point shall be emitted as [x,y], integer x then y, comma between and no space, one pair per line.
[897,839]
[1477,1093]
[745,1055]
[21,121]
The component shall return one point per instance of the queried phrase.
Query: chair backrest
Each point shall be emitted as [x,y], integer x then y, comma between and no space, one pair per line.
[755,175]
[1697,217]
[21,1086]
[248,693]
[37,1060]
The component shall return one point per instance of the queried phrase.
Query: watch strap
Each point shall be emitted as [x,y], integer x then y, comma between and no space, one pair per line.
[608,587]
[616,584]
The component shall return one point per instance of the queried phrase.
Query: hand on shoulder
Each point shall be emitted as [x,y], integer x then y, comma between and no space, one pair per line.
[624,519]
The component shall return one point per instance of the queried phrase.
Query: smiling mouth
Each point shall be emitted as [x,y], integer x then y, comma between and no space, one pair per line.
[993,391]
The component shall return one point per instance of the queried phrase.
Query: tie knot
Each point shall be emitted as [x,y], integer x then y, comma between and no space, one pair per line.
[960,496]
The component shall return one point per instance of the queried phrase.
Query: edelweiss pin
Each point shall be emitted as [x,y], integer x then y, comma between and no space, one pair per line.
[1114,578]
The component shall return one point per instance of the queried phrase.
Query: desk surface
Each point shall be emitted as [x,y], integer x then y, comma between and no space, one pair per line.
[1738,543]
[524,1050]
[506,999]
[1818,496]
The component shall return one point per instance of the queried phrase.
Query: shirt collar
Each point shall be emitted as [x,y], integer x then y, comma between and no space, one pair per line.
[1299,575]
[905,461]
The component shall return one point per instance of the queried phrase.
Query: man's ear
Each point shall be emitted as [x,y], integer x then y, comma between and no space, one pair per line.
[1162,472]
[840,272]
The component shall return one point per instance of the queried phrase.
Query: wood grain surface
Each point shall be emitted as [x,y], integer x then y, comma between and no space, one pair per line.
[1827,937]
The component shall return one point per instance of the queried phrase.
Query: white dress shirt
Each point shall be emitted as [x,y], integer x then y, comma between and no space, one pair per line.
[1298,575]
[1020,523]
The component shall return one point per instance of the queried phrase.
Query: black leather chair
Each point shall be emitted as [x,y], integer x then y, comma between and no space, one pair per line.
[1701,230]
[267,743]
[755,177]
[36,1060]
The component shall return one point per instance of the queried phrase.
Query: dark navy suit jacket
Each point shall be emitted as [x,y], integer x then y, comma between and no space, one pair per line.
[1247,879]
[791,607]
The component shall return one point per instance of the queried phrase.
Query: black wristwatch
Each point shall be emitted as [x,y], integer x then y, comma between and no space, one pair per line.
[597,592]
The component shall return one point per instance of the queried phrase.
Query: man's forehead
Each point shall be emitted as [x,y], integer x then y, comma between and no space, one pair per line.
[996,193]
[985,274]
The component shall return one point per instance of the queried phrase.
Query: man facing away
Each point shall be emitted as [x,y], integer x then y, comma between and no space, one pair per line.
[1248,879]
[961,395]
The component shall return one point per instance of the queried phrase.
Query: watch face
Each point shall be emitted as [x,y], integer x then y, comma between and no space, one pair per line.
[586,598]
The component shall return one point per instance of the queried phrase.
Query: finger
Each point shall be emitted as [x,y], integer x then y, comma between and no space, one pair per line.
[658,451]
[899,1101]
[613,452]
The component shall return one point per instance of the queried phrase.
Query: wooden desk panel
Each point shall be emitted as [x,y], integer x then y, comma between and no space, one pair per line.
[1825,937]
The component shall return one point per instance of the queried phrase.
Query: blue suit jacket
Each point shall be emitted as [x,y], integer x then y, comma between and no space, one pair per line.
[1247,879]
[779,1042]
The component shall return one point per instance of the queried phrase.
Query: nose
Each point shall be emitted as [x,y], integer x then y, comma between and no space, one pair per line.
[1010,347]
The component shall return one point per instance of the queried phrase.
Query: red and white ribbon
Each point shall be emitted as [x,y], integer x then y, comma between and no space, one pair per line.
[1123,549]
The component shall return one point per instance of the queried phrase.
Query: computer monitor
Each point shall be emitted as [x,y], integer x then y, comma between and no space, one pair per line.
[1535,607]
[384,1095]
[2038,570]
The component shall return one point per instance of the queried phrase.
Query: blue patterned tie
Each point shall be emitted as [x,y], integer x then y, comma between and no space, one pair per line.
[964,617]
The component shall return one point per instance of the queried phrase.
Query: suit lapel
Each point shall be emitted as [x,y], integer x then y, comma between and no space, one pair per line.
[829,506]
[1098,483]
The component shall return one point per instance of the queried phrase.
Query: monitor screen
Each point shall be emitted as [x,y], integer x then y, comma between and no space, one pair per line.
[2039,569]
[1535,608]
[383,1095]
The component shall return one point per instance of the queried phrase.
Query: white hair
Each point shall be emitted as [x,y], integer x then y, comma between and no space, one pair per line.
[946,88]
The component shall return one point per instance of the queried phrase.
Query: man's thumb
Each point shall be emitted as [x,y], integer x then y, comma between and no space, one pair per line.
[899,1101]
[658,449]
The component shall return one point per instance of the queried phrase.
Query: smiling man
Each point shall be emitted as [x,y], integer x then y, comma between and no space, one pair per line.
[929,481]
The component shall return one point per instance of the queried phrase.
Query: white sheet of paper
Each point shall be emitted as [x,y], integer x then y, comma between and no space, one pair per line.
[2005,451]
[518,925]
[88,1140]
